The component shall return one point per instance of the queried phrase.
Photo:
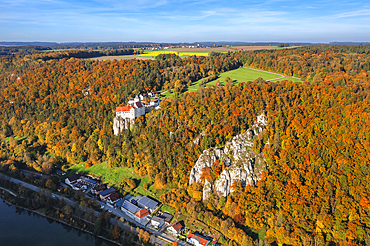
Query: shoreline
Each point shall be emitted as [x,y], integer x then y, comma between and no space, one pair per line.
[61,222]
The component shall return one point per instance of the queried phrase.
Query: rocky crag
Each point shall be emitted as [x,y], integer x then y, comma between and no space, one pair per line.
[120,124]
[242,163]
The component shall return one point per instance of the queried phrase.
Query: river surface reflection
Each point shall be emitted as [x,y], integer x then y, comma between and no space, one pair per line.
[20,227]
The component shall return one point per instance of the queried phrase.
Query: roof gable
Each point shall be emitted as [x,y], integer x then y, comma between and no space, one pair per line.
[176,226]
[140,214]
[200,239]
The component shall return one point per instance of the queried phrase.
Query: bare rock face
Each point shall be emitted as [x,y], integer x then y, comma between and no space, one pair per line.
[120,124]
[242,163]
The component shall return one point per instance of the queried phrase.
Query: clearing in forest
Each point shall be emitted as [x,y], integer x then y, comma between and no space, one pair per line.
[238,75]
[243,74]
[117,175]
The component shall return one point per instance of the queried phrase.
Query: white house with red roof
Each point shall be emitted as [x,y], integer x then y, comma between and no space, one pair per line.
[142,216]
[175,228]
[197,240]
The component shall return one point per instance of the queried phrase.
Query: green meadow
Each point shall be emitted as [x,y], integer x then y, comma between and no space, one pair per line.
[114,176]
[238,75]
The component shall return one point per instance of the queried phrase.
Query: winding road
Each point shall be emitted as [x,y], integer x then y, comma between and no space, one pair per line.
[157,237]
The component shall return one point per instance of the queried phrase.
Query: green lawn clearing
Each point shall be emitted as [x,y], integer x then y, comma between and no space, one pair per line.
[110,175]
[238,75]
[169,209]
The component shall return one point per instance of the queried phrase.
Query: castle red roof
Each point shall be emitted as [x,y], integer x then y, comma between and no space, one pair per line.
[123,109]
[142,213]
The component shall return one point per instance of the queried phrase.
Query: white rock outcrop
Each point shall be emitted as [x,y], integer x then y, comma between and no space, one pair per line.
[242,163]
[120,124]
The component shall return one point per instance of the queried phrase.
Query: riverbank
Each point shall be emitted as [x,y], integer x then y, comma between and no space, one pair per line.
[54,219]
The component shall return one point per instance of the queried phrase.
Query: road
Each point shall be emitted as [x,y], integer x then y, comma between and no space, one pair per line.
[154,238]
[156,233]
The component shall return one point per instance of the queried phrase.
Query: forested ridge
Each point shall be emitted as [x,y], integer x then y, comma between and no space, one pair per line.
[315,188]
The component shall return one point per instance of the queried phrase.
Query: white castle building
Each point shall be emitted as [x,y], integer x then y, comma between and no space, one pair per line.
[134,109]
[125,116]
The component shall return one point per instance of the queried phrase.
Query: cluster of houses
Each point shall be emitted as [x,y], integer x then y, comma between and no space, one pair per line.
[138,208]
[79,182]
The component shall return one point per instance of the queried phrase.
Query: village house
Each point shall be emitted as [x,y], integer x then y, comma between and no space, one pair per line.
[197,240]
[72,179]
[166,216]
[99,188]
[157,222]
[112,199]
[106,193]
[90,182]
[142,216]
[175,228]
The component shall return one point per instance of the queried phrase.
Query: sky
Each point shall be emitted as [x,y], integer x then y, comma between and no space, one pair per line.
[184,20]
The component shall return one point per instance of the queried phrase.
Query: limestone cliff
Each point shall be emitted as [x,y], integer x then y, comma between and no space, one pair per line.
[241,162]
[120,124]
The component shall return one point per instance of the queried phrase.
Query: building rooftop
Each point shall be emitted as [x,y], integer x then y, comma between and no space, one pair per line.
[142,213]
[148,203]
[157,219]
[108,191]
[72,178]
[200,239]
[91,181]
[167,217]
[130,207]
[123,109]
[177,226]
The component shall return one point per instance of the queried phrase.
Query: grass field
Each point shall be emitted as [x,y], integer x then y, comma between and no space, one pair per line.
[116,175]
[110,175]
[239,75]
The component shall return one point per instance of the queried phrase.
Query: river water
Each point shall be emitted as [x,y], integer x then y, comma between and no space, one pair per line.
[19,228]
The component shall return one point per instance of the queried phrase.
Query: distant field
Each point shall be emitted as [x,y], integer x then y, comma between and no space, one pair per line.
[185,52]
[248,48]
[157,52]
[125,57]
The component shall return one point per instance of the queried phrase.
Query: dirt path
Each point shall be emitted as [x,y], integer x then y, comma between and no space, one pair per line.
[281,75]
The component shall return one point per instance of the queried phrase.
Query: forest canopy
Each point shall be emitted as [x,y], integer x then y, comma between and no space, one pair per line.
[315,189]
